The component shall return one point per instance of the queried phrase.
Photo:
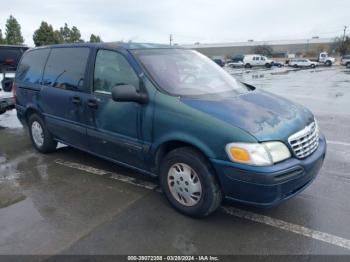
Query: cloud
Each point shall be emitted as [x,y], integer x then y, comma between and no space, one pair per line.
[189,21]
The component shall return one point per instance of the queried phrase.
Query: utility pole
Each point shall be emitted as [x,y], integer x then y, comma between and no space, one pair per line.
[343,45]
[170,39]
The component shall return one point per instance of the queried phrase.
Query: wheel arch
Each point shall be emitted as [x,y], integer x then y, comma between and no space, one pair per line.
[31,109]
[164,147]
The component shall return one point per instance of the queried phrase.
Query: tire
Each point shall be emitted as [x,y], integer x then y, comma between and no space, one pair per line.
[247,65]
[313,66]
[39,134]
[188,170]
[295,66]
[328,63]
[348,65]
[268,65]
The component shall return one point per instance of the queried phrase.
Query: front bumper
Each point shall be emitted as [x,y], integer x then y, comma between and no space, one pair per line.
[269,185]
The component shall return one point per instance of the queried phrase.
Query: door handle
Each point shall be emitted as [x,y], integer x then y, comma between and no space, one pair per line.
[76,100]
[92,103]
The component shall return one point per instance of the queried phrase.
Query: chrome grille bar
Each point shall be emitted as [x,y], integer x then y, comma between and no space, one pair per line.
[305,141]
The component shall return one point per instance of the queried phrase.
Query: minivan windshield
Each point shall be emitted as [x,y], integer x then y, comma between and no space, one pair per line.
[184,72]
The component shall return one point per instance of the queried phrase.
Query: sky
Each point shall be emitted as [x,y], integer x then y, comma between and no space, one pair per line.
[204,21]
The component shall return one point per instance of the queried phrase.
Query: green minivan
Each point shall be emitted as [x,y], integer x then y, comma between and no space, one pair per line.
[171,113]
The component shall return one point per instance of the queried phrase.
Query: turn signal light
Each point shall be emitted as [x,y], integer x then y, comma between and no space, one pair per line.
[239,154]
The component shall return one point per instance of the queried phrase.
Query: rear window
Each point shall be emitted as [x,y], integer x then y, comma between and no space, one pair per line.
[65,68]
[32,65]
[10,56]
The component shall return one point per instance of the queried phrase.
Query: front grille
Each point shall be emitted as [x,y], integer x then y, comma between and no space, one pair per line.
[305,141]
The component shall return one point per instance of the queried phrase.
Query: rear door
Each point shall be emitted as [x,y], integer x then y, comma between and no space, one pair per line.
[63,96]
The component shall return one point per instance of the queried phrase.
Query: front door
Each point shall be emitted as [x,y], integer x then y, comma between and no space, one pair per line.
[114,130]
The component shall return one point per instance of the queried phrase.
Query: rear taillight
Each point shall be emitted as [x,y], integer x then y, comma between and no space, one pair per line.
[14,91]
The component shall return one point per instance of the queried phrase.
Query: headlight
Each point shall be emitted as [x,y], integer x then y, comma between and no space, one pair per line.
[258,154]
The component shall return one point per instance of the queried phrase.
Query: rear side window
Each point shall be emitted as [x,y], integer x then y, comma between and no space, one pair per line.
[65,68]
[112,69]
[32,66]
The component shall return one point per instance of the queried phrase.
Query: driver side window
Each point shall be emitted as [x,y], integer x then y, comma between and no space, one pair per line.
[111,69]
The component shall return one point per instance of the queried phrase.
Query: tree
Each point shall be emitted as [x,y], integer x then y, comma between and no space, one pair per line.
[75,35]
[13,32]
[263,50]
[2,40]
[65,33]
[70,35]
[95,39]
[45,35]
[342,45]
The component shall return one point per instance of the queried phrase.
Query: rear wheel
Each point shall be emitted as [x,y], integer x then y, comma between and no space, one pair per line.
[313,65]
[348,65]
[268,65]
[41,138]
[247,65]
[189,182]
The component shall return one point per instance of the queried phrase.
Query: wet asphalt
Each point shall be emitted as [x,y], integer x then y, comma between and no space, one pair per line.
[49,208]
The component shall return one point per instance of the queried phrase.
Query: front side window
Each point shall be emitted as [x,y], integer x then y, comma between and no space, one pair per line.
[65,68]
[184,72]
[112,69]
[32,66]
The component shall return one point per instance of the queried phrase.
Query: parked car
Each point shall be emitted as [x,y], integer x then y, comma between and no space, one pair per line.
[220,62]
[235,64]
[278,64]
[9,57]
[173,114]
[302,62]
[345,60]
[256,60]
[236,61]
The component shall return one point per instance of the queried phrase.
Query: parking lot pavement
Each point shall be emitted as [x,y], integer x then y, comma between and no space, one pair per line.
[69,202]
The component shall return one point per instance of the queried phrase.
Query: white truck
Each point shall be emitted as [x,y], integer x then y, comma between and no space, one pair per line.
[323,58]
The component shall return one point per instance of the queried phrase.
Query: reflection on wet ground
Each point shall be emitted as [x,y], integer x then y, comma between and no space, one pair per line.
[48,208]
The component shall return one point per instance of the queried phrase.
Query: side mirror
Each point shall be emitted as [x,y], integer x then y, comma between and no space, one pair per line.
[128,93]
[6,84]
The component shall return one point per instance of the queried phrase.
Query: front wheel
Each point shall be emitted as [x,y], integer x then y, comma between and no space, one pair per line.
[41,138]
[189,182]
[313,65]
[247,65]
[328,63]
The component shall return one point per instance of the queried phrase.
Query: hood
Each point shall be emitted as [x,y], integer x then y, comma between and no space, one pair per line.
[264,115]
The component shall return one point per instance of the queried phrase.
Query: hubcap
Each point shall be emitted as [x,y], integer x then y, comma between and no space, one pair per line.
[37,133]
[184,184]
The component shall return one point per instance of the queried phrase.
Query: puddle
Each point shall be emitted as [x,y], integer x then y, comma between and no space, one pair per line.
[9,196]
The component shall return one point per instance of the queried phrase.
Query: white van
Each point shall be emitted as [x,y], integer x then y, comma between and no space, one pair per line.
[257,60]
